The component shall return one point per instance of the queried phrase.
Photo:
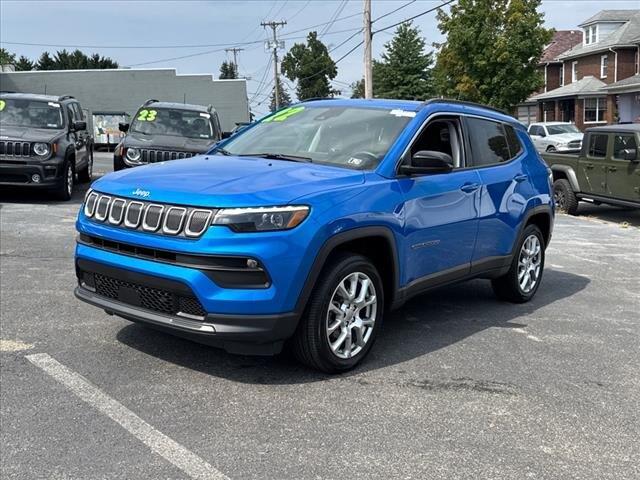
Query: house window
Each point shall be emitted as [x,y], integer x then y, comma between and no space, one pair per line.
[604,61]
[591,35]
[595,109]
[574,71]
[562,75]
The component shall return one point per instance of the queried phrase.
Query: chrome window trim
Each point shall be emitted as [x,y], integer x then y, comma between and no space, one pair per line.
[106,214]
[144,219]
[127,223]
[166,229]
[95,204]
[112,220]
[187,229]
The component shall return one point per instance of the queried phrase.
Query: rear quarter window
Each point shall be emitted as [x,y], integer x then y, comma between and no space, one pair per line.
[515,147]
[488,140]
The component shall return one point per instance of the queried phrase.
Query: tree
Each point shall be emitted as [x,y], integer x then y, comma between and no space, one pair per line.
[76,60]
[312,67]
[45,62]
[7,58]
[491,51]
[283,96]
[357,89]
[24,64]
[228,70]
[405,71]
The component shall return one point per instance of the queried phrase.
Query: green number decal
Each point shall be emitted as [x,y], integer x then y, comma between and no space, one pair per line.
[142,115]
[152,115]
[2,105]
[282,115]
[147,115]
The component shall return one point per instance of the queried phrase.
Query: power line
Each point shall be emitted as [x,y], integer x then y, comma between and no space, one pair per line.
[335,15]
[299,11]
[393,11]
[444,4]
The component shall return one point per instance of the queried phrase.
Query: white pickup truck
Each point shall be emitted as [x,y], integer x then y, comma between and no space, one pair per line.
[556,137]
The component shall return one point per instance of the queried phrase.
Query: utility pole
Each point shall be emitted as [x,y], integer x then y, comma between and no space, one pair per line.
[368,72]
[274,45]
[235,57]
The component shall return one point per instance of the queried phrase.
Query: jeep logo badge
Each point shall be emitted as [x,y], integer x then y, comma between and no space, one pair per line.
[141,193]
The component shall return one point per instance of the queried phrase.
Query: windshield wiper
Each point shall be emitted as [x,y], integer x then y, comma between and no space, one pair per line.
[222,151]
[279,156]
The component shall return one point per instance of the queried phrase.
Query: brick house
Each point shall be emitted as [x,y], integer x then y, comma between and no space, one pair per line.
[596,80]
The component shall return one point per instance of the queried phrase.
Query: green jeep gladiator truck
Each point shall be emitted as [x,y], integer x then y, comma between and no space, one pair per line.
[607,169]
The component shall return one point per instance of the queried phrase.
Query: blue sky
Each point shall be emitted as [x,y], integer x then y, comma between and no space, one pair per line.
[150,26]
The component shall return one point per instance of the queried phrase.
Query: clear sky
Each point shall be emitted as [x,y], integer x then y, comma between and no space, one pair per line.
[152,30]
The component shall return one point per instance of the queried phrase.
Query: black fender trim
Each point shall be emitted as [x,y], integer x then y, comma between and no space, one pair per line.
[546,209]
[339,239]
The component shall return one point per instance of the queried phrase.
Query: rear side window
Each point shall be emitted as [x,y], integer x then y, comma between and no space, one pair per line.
[623,142]
[598,145]
[515,147]
[488,142]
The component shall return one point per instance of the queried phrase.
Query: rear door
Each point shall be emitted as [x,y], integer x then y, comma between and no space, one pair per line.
[593,166]
[623,176]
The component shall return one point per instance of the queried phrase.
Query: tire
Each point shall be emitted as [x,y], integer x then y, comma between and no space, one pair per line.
[565,197]
[524,268]
[85,175]
[311,342]
[551,149]
[65,191]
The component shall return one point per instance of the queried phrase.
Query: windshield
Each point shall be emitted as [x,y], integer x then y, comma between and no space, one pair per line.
[30,113]
[560,129]
[347,137]
[174,122]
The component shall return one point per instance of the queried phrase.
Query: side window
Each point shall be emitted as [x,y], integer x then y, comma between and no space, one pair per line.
[488,142]
[598,145]
[533,130]
[78,111]
[515,147]
[442,135]
[623,142]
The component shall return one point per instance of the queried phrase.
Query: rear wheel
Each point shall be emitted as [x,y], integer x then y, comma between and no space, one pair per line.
[521,282]
[65,190]
[565,197]
[343,316]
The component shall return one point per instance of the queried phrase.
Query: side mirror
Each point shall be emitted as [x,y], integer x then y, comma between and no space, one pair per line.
[629,154]
[78,126]
[123,127]
[428,161]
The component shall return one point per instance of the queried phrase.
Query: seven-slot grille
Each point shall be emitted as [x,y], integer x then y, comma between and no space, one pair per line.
[152,156]
[148,216]
[15,149]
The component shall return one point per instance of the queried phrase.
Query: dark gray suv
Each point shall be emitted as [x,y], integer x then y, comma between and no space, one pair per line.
[44,142]
[162,131]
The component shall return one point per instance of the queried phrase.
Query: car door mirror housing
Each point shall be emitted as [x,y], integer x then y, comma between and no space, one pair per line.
[630,154]
[425,162]
[78,126]
[123,127]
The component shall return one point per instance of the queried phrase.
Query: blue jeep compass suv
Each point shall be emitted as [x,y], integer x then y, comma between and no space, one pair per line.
[313,222]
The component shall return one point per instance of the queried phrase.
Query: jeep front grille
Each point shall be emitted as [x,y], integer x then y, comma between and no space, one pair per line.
[148,217]
[153,156]
[15,149]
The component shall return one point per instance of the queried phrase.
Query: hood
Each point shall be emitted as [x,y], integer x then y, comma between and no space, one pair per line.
[566,137]
[168,142]
[227,181]
[26,134]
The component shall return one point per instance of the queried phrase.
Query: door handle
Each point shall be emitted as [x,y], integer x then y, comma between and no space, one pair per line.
[470,187]
[520,178]
[589,166]
[612,169]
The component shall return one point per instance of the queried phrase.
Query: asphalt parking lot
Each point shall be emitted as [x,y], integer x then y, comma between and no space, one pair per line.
[458,385]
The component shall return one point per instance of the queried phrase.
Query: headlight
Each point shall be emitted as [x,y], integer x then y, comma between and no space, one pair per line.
[41,149]
[133,154]
[261,219]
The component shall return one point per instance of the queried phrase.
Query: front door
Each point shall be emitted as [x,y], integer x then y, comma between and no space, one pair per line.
[440,210]
[623,176]
[79,137]
[593,168]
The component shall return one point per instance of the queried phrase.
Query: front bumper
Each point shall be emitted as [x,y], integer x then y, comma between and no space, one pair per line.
[20,172]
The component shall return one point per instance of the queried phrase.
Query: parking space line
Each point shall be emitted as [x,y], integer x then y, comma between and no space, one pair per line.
[184,459]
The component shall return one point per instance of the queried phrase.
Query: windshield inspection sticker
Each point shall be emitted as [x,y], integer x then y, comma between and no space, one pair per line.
[54,105]
[205,115]
[282,115]
[402,113]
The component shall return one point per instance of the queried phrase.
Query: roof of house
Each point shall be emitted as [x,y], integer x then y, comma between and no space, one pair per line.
[562,41]
[627,34]
[631,83]
[584,87]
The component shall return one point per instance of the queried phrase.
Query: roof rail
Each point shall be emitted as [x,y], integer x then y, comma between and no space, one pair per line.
[317,98]
[209,108]
[464,102]
[7,91]
[65,97]
[151,100]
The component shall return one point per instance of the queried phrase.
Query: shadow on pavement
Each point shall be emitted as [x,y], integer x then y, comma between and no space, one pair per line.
[610,213]
[426,324]
[42,197]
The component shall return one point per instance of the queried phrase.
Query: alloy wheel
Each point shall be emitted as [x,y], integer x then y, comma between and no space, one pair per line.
[529,263]
[351,315]
[69,180]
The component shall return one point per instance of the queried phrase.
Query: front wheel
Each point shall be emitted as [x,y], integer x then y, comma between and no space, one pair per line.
[343,316]
[521,282]
[551,149]
[65,190]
